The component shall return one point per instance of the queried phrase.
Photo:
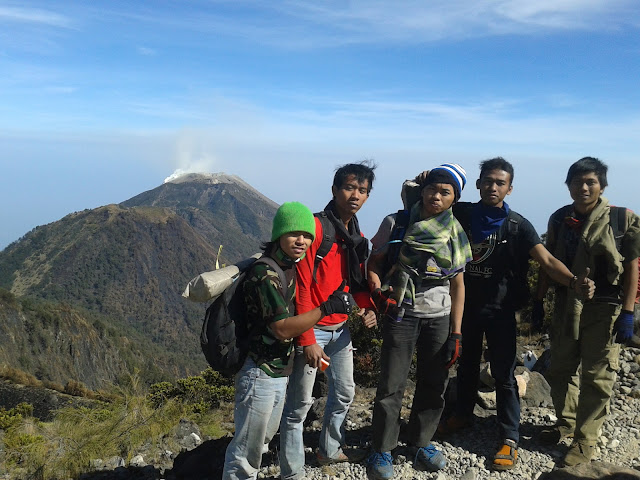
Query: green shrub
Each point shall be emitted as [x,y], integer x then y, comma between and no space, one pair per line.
[202,392]
[10,417]
[7,297]
[159,393]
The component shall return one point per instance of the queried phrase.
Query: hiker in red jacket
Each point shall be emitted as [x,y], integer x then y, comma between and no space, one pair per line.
[330,340]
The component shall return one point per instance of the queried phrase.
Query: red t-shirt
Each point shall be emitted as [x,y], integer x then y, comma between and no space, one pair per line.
[330,274]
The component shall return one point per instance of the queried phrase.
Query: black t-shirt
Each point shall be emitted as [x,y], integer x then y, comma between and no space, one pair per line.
[496,277]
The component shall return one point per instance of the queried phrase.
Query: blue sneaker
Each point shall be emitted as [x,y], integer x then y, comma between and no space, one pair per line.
[430,458]
[380,466]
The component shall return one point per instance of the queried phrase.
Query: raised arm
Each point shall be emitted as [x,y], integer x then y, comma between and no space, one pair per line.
[559,272]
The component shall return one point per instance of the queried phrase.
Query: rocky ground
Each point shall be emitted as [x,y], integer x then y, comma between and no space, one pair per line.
[469,453]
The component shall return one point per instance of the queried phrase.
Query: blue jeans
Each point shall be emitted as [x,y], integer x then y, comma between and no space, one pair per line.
[500,328]
[399,340]
[337,345]
[258,407]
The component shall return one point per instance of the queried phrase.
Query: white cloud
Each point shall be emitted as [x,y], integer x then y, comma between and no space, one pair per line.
[33,15]
[564,14]
[301,24]
[413,21]
[146,51]
[59,89]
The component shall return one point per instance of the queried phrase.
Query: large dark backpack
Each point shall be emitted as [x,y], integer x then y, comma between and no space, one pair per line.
[225,332]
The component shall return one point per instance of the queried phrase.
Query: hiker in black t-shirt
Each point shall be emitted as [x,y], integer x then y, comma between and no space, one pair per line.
[502,242]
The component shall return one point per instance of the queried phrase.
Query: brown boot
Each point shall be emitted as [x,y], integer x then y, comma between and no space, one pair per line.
[453,424]
[552,435]
[579,452]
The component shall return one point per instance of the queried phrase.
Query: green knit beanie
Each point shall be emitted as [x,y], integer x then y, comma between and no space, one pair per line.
[293,217]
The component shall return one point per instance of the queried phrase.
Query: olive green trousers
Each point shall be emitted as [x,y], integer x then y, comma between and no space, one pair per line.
[583,369]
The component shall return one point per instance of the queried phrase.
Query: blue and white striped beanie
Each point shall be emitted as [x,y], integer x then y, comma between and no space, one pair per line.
[448,173]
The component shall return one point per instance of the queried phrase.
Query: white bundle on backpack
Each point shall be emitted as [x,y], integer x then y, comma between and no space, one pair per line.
[209,285]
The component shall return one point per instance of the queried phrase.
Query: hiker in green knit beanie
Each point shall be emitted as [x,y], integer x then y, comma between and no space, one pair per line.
[293,217]
[269,289]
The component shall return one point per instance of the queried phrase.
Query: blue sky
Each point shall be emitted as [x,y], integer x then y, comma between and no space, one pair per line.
[102,100]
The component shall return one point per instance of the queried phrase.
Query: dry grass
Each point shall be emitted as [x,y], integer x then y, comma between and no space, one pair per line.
[66,446]
[18,376]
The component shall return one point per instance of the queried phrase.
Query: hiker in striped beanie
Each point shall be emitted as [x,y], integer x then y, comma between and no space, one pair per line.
[415,276]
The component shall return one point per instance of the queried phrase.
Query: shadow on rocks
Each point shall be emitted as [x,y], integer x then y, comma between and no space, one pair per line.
[121,473]
[592,471]
[203,462]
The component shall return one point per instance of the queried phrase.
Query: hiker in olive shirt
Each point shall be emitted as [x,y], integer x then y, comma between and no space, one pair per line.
[261,384]
[586,336]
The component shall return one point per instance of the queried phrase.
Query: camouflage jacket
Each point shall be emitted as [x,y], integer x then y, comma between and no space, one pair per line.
[265,304]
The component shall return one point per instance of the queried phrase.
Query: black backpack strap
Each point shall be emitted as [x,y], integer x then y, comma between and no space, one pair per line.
[618,222]
[462,212]
[513,222]
[518,261]
[328,239]
[557,219]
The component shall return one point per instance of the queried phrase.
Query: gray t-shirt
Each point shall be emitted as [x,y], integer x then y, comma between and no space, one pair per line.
[431,301]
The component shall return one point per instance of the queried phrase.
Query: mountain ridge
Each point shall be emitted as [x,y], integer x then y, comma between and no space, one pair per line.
[131,262]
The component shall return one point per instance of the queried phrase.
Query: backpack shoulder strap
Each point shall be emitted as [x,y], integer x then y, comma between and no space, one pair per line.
[463,211]
[401,224]
[618,222]
[557,218]
[514,219]
[397,234]
[513,223]
[328,239]
[285,291]
[276,268]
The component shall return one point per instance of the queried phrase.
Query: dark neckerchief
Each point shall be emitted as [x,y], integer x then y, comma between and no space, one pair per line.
[355,244]
[574,222]
[486,220]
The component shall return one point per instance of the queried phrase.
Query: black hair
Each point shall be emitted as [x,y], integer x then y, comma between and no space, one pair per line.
[588,165]
[441,176]
[497,163]
[363,170]
[268,247]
